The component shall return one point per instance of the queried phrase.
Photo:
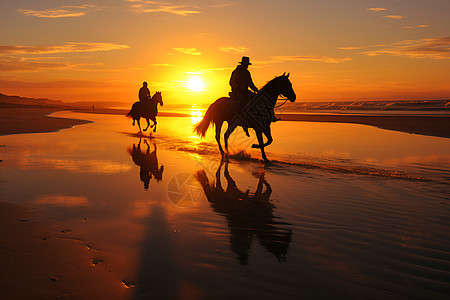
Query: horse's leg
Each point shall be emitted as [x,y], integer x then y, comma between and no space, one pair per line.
[268,134]
[154,123]
[218,129]
[148,124]
[231,127]
[139,124]
[261,145]
[134,120]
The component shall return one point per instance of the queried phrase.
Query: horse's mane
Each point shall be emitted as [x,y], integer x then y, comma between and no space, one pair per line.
[271,81]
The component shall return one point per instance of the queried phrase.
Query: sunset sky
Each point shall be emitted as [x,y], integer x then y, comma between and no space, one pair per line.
[335,50]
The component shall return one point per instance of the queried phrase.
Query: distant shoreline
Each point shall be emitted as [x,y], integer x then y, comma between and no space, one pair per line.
[438,126]
[18,118]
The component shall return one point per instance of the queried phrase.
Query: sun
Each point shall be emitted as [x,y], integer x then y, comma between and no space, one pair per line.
[195,84]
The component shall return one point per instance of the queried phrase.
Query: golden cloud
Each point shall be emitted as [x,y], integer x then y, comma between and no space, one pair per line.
[67,48]
[325,59]
[434,48]
[393,17]
[63,12]
[20,64]
[189,51]
[376,9]
[240,49]
[141,6]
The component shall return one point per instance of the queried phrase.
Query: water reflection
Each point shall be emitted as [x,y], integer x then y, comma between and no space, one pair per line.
[147,161]
[248,215]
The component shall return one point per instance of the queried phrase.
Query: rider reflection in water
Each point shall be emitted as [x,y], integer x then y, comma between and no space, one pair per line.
[250,216]
[148,163]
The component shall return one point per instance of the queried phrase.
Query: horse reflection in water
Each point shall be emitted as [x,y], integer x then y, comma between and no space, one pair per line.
[247,215]
[148,162]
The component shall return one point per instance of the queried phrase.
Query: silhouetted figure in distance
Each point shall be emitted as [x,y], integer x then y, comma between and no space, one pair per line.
[144,92]
[248,215]
[148,162]
[147,109]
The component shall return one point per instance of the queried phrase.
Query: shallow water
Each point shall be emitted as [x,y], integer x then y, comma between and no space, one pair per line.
[345,211]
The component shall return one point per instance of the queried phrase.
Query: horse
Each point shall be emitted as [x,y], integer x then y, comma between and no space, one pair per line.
[256,114]
[147,109]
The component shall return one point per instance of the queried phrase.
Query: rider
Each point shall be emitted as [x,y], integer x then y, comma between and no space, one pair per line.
[144,92]
[240,82]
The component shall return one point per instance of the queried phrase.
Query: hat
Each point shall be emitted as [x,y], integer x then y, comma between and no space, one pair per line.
[245,61]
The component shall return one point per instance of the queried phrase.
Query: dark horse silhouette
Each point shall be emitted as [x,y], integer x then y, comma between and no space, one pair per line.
[148,162]
[247,215]
[147,109]
[255,114]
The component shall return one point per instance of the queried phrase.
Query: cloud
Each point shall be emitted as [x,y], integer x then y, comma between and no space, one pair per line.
[240,49]
[393,17]
[67,48]
[349,48]
[189,51]
[222,3]
[434,48]
[325,59]
[418,26]
[376,9]
[62,12]
[11,64]
[142,6]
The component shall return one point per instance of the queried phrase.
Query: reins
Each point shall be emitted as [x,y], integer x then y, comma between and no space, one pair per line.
[281,98]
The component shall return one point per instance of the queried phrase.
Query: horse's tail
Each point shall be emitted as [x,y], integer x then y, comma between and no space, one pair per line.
[133,110]
[129,114]
[203,126]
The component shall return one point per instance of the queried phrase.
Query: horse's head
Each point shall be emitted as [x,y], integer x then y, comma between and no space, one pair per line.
[284,87]
[158,98]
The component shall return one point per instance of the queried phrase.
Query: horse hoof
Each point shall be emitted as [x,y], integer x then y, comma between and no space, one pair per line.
[266,161]
[145,129]
[154,130]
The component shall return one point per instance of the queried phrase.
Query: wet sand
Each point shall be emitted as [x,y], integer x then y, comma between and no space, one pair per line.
[14,120]
[42,259]
[167,234]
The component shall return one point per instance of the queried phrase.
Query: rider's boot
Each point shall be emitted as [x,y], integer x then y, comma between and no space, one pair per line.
[274,119]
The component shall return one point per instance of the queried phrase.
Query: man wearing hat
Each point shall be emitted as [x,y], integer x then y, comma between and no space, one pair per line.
[241,81]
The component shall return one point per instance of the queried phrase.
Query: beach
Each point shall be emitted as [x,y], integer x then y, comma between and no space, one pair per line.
[344,209]
[23,119]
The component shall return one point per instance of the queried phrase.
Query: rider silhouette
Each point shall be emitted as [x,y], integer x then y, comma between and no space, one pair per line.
[144,92]
[240,82]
